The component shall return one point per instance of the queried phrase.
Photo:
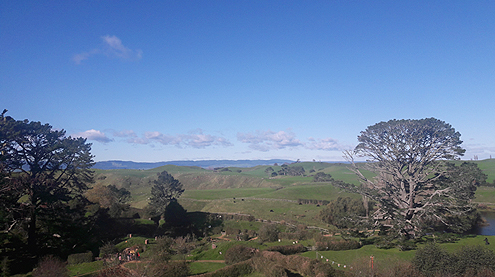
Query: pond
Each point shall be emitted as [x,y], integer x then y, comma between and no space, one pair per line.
[489,228]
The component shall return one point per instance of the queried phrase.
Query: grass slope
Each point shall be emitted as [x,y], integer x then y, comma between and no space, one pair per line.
[206,189]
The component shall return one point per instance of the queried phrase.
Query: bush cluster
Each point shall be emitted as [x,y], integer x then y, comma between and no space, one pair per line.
[432,260]
[288,249]
[235,270]
[303,265]
[80,258]
[268,232]
[50,266]
[239,253]
[337,245]
[313,201]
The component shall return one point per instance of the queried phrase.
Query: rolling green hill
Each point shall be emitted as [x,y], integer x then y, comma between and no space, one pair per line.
[254,190]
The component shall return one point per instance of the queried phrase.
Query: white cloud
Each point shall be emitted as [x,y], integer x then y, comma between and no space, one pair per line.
[196,139]
[94,135]
[328,144]
[269,140]
[112,47]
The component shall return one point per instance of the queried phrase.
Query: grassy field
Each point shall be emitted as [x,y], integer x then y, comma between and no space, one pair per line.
[214,191]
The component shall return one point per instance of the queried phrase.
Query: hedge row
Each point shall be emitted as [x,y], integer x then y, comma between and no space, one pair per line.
[288,249]
[313,201]
[337,245]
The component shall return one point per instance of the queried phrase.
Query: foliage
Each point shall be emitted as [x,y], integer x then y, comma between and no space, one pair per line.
[291,170]
[268,233]
[110,197]
[165,189]
[80,258]
[44,176]
[175,215]
[107,249]
[322,177]
[344,212]
[412,182]
[290,249]
[302,265]
[50,266]
[337,245]
[162,250]
[238,253]
[432,260]
[170,269]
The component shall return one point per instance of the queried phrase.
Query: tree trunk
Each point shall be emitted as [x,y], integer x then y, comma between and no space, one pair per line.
[32,238]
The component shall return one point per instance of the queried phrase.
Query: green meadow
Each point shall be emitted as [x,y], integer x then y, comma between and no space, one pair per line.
[254,191]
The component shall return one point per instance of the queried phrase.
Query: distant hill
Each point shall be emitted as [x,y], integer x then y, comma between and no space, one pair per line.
[105,165]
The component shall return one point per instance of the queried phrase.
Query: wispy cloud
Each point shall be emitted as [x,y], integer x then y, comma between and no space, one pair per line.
[328,144]
[112,47]
[269,140]
[195,139]
[94,135]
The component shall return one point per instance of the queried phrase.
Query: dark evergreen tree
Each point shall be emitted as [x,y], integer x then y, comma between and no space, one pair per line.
[165,189]
[44,170]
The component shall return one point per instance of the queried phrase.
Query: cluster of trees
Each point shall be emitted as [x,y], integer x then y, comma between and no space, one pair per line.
[286,170]
[47,205]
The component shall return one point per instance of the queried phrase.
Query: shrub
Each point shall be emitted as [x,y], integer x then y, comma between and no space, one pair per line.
[80,258]
[343,212]
[268,232]
[288,249]
[474,259]
[337,245]
[238,253]
[170,269]
[108,249]
[303,265]
[50,266]
[431,259]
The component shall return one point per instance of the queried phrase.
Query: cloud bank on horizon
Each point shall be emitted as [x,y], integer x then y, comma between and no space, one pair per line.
[262,141]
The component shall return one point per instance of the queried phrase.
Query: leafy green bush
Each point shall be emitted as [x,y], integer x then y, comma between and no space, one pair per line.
[80,258]
[108,249]
[170,269]
[432,260]
[238,253]
[268,232]
[288,249]
[344,212]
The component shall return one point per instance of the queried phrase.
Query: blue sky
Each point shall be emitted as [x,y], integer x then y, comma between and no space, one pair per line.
[195,80]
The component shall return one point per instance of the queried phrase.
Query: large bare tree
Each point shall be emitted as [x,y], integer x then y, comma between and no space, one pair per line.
[412,182]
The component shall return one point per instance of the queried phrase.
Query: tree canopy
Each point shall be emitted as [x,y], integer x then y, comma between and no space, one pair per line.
[412,182]
[44,173]
[165,189]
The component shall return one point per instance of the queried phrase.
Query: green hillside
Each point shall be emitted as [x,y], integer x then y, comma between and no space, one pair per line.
[254,188]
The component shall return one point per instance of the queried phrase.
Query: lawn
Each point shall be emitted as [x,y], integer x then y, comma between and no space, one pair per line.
[85,269]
